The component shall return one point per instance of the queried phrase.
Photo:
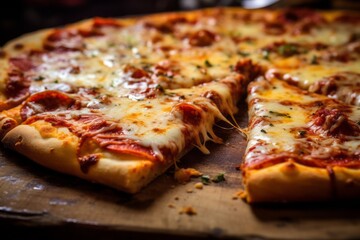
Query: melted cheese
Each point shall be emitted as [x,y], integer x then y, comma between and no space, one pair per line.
[282,117]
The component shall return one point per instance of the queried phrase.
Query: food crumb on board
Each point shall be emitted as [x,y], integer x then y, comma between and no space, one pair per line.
[199,185]
[176,198]
[189,191]
[171,205]
[188,210]
[183,175]
[240,194]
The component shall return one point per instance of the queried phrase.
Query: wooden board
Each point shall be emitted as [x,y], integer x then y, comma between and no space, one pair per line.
[37,202]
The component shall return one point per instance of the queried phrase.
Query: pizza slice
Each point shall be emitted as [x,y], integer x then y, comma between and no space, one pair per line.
[118,101]
[321,56]
[121,142]
[301,146]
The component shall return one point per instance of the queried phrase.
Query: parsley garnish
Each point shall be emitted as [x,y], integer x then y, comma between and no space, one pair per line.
[243,54]
[266,55]
[302,133]
[288,50]
[314,60]
[205,179]
[263,131]
[271,125]
[160,88]
[207,63]
[39,78]
[280,114]
[219,178]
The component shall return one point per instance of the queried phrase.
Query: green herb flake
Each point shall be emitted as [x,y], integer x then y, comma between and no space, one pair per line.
[266,55]
[219,178]
[39,78]
[302,133]
[243,54]
[205,179]
[278,114]
[314,60]
[160,88]
[271,125]
[263,131]
[288,50]
[207,63]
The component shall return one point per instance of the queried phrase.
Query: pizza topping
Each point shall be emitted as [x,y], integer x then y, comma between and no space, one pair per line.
[47,101]
[202,38]
[21,64]
[99,22]
[274,28]
[87,161]
[64,40]
[310,130]
[190,113]
[333,122]
[285,49]
[343,86]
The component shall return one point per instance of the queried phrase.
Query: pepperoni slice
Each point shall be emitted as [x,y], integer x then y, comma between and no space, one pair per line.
[202,38]
[190,113]
[64,40]
[45,102]
[105,22]
[133,149]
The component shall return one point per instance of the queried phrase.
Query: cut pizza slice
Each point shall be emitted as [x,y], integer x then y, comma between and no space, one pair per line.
[121,142]
[323,56]
[301,147]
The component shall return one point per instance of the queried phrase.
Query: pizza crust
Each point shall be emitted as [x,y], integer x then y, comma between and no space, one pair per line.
[294,182]
[347,184]
[287,181]
[55,148]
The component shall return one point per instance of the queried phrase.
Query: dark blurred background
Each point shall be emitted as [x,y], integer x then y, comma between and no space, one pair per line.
[22,16]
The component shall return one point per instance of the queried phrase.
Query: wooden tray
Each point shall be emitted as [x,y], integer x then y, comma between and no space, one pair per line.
[40,203]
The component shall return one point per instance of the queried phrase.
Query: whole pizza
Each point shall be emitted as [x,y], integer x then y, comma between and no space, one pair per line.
[119,101]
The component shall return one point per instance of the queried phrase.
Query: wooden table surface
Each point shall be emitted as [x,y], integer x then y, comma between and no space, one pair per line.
[38,203]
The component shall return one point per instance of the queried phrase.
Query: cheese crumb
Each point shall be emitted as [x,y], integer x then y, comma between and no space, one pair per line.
[240,194]
[183,175]
[199,185]
[188,210]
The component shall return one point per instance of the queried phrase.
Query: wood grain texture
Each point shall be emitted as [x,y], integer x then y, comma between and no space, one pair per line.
[39,203]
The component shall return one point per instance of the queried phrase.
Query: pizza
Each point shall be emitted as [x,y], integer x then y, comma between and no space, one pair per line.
[301,145]
[119,101]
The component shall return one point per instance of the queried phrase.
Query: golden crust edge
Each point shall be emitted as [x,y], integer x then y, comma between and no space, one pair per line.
[287,181]
[293,182]
[122,173]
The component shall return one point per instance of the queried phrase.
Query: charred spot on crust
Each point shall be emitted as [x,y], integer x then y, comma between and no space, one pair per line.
[87,161]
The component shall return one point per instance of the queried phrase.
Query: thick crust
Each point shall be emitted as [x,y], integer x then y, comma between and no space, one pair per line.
[56,149]
[294,182]
[287,182]
[347,183]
